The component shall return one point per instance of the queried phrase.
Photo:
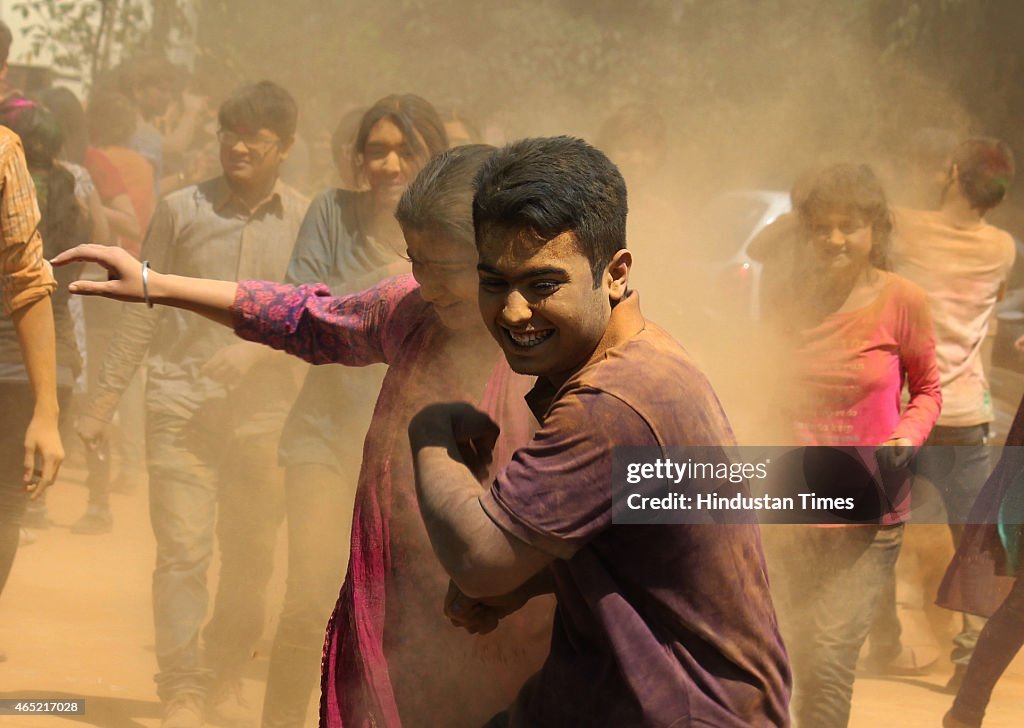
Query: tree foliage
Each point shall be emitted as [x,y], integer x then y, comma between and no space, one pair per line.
[86,37]
[794,79]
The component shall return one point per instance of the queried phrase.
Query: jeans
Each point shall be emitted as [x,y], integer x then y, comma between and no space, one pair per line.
[830,582]
[194,472]
[319,522]
[954,464]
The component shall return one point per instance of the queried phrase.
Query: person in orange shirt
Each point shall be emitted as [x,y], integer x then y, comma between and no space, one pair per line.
[27,465]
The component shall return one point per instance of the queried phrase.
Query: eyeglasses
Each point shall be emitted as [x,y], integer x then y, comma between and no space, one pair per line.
[252,142]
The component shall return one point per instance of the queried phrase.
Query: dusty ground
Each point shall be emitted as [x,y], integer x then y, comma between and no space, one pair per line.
[75,622]
[75,618]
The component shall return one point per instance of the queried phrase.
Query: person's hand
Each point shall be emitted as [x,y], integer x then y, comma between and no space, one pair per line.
[43,454]
[91,430]
[230,365]
[1019,344]
[124,272]
[473,432]
[895,453]
[479,616]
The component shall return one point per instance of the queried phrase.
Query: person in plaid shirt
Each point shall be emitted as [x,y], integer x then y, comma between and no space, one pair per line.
[27,465]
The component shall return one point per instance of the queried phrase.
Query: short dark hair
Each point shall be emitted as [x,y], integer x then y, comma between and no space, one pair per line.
[6,39]
[549,186]
[414,116]
[985,168]
[112,119]
[851,189]
[263,105]
[441,196]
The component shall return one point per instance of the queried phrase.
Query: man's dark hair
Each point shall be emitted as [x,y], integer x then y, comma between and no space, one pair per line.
[6,39]
[549,186]
[985,168]
[414,116]
[441,196]
[263,105]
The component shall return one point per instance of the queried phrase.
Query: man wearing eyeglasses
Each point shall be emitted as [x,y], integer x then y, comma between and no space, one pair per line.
[214,410]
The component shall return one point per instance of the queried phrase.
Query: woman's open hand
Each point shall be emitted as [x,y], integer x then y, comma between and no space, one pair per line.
[124,272]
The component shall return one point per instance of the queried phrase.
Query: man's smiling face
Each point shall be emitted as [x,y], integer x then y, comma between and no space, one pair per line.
[539,301]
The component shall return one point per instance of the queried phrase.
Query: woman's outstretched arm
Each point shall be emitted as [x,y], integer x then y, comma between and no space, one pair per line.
[209,298]
[355,330]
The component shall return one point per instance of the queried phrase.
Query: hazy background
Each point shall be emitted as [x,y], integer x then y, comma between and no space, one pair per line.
[751,90]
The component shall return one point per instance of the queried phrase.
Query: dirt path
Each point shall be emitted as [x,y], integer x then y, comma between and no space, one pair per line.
[76,621]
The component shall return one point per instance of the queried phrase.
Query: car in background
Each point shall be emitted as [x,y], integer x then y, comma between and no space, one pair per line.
[727,226]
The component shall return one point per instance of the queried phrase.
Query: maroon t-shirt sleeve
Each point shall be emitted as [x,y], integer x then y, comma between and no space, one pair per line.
[556,494]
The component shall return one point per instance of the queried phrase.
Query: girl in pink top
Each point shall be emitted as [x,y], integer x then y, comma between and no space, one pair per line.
[860,334]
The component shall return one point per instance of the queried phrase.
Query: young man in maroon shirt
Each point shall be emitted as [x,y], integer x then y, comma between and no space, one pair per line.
[657,625]
[660,625]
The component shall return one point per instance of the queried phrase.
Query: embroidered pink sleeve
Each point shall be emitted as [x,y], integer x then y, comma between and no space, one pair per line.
[310,323]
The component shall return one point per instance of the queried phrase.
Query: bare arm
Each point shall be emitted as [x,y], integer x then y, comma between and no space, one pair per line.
[34,325]
[208,298]
[482,615]
[451,445]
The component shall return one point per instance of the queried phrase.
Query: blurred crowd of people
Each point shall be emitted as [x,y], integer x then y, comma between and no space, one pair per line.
[881,314]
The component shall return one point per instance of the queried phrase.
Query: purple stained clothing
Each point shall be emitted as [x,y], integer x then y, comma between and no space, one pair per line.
[390,653]
[656,625]
[850,371]
[853,365]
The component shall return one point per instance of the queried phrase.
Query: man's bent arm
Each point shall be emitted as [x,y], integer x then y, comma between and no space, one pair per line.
[480,557]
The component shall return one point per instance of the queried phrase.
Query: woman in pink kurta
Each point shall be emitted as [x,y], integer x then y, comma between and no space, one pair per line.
[859,334]
[390,656]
